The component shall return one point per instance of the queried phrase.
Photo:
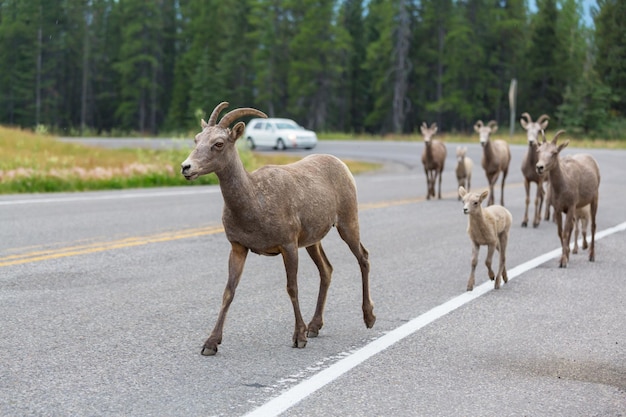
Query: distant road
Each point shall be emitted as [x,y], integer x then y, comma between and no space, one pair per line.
[106,299]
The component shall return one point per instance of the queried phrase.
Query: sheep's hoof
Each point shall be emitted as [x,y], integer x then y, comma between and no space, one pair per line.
[370,320]
[470,288]
[209,351]
[525,224]
[536,224]
[575,251]
[312,333]
[299,344]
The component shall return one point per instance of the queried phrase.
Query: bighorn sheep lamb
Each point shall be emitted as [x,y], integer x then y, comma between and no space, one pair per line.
[496,157]
[529,163]
[274,211]
[574,183]
[464,167]
[433,159]
[486,226]
[581,218]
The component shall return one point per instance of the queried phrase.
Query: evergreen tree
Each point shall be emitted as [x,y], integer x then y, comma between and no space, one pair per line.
[611,50]
[546,77]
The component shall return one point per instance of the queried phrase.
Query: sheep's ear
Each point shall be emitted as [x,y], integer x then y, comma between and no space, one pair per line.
[462,191]
[494,129]
[203,124]
[484,195]
[524,123]
[423,128]
[433,128]
[562,145]
[237,131]
[478,125]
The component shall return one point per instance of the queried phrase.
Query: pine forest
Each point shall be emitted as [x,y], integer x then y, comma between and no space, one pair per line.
[354,66]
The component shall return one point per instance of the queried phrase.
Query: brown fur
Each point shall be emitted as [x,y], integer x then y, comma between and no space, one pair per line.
[530,161]
[487,226]
[464,167]
[433,159]
[574,183]
[581,222]
[275,210]
[496,157]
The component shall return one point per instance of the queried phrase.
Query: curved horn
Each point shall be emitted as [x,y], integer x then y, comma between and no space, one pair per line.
[216,112]
[543,135]
[527,116]
[542,118]
[556,135]
[492,123]
[233,115]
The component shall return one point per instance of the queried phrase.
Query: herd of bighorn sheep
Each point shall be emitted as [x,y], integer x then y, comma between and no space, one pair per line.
[279,208]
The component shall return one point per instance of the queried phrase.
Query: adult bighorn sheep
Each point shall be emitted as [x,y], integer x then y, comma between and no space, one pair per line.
[529,163]
[274,211]
[433,159]
[574,183]
[496,157]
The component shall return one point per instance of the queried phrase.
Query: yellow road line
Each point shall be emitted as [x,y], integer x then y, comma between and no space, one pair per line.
[75,250]
[44,255]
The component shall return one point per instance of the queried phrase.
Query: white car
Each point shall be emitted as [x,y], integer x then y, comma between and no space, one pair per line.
[278,134]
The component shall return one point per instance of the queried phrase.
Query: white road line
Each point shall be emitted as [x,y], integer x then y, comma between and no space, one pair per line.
[124,196]
[307,387]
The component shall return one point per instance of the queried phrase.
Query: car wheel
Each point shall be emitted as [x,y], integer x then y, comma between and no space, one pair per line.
[250,143]
[280,145]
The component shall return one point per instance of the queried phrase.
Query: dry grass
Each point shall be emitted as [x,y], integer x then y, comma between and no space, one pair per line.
[37,163]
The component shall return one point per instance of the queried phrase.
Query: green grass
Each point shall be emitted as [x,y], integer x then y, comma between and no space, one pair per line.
[35,163]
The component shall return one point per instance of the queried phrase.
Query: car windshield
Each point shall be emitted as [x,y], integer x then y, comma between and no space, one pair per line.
[287,125]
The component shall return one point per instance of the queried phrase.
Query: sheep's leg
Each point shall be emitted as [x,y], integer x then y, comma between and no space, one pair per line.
[428,181]
[440,177]
[594,211]
[566,232]
[576,221]
[546,216]
[491,248]
[504,239]
[350,235]
[504,174]
[584,223]
[538,204]
[290,259]
[325,268]
[470,281]
[236,261]
[492,182]
[527,202]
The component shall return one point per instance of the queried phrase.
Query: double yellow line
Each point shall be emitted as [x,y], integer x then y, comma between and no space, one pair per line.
[44,255]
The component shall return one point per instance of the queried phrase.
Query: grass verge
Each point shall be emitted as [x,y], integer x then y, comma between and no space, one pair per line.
[32,163]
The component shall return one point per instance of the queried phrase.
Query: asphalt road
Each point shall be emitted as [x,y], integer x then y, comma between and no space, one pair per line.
[107,297]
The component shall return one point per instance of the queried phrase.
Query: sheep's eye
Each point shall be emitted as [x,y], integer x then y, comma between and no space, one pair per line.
[475,203]
[218,145]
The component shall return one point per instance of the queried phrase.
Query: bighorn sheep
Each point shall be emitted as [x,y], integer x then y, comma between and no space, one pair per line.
[486,226]
[574,183]
[582,216]
[496,157]
[433,159]
[529,163]
[274,211]
[464,167]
